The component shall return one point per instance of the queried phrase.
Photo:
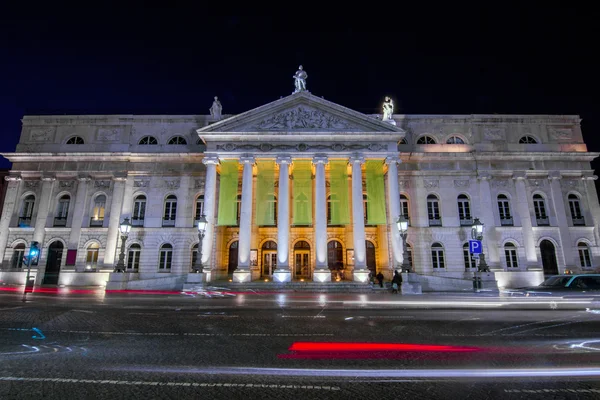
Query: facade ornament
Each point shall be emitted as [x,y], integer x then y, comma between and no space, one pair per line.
[462,183]
[198,183]
[66,184]
[102,184]
[215,109]
[560,133]
[108,134]
[572,183]
[404,184]
[499,183]
[484,176]
[536,182]
[300,80]
[12,178]
[302,118]
[494,133]
[554,175]
[31,184]
[388,110]
[41,134]
[172,184]
[431,183]
[141,184]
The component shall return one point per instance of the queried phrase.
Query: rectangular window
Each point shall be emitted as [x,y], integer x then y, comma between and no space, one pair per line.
[91,258]
[165,260]
[511,258]
[437,257]
[469,260]
[17,258]
[585,261]
[133,259]
[464,210]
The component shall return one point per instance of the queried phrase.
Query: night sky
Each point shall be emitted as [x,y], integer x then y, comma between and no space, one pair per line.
[505,59]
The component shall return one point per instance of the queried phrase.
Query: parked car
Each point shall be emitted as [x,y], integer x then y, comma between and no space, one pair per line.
[562,285]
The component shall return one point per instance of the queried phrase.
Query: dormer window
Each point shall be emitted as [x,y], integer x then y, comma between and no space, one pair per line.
[75,140]
[177,140]
[527,140]
[426,140]
[146,140]
[455,140]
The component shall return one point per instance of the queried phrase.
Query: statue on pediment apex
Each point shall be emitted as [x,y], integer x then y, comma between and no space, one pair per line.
[216,108]
[300,80]
[388,108]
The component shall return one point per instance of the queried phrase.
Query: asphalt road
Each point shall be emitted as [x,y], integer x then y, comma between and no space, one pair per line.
[297,345]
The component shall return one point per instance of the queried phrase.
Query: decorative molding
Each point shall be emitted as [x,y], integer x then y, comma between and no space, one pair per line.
[554,175]
[102,184]
[172,184]
[537,182]
[65,184]
[198,183]
[462,183]
[572,183]
[31,184]
[301,147]
[404,184]
[141,184]
[41,134]
[107,134]
[494,133]
[499,183]
[302,118]
[560,133]
[431,183]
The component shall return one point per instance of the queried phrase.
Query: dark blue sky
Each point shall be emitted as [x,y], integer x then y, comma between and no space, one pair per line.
[174,60]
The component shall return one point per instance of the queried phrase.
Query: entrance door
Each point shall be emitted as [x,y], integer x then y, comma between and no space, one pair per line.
[302,264]
[269,262]
[233,258]
[548,258]
[53,264]
[371,264]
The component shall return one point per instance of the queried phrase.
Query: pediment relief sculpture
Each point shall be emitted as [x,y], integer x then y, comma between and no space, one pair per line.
[303,118]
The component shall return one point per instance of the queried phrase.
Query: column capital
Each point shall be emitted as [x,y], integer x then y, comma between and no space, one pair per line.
[552,175]
[84,178]
[119,178]
[484,176]
[284,159]
[48,179]
[357,158]
[392,160]
[519,175]
[320,159]
[247,160]
[210,159]
[12,178]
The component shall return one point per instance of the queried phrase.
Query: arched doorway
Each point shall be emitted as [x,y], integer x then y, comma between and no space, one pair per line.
[548,258]
[371,263]
[302,260]
[269,258]
[55,251]
[335,258]
[233,258]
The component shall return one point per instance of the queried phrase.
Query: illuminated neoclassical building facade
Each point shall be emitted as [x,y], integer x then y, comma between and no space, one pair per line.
[298,189]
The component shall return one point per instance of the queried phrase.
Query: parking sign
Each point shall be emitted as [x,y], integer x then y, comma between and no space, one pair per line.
[475,246]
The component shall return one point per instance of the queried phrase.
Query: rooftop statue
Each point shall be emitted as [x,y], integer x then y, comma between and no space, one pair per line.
[388,108]
[300,80]
[216,108]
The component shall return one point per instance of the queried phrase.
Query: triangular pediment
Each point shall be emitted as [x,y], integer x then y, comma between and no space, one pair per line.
[301,112]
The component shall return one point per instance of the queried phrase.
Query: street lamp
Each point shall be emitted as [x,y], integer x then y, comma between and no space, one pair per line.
[402,224]
[125,227]
[477,234]
[198,268]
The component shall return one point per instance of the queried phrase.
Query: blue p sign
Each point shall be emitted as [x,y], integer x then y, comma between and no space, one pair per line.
[475,246]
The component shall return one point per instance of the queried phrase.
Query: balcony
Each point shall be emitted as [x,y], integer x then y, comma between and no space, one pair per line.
[506,221]
[137,222]
[168,223]
[466,221]
[96,223]
[542,221]
[435,222]
[24,222]
[60,221]
[578,221]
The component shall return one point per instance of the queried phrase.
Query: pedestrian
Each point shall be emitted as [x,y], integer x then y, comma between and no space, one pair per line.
[380,279]
[396,282]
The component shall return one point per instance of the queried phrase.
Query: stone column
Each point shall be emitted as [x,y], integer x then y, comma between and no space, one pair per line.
[242,273]
[525,215]
[394,210]
[487,218]
[321,273]
[43,209]
[558,200]
[358,220]
[78,212]
[283,273]
[591,195]
[127,207]
[210,195]
[114,221]
[10,203]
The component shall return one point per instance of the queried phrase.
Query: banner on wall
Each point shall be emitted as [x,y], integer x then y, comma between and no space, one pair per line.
[302,192]
[339,212]
[265,193]
[228,187]
[375,193]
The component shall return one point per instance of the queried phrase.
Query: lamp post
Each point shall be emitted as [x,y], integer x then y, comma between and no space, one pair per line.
[402,224]
[198,267]
[125,227]
[477,234]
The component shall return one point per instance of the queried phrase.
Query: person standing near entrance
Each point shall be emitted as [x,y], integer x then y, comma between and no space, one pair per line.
[379,277]
[396,282]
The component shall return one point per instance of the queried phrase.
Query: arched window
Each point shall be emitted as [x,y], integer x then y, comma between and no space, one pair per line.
[91,256]
[139,210]
[133,257]
[194,256]
[75,140]
[410,255]
[148,140]
[527,140]
[18,255]
[464,210]
[469,260]
[539,206]
[177,140]
[433,210]
[585,259]
[199,211]
[405,207]
[504,210]
[403,141]
[97,219]
[510,252]
[575,209]
[455,140]
[170,210]
[62,210]
[335,257]
[26,211]
[425,140]
[437,255]
[165,258]
[201,145]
